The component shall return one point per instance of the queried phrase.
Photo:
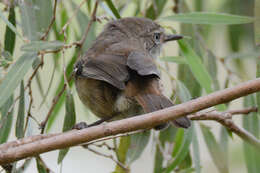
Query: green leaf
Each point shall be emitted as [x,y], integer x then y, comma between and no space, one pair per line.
[167,135]
[15,76]
[59,104]
[183,144]
[35,46]
[69,121]
[9,34]
[198,69]
[137,145]
[19,130]
[175,59]
[242,55]
[40,166]
[209,18]
[121,152]
[257,22]
[155,9]
[196,151]
[9,24]
[6,119]
[214,149]
[35,17]
[113,8]
[251,124]
[182,92]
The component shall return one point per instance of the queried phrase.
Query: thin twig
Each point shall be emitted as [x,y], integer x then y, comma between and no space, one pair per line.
[54,102]
[93,18]
[52,21]
[107,156]
[225,118]
[73,15]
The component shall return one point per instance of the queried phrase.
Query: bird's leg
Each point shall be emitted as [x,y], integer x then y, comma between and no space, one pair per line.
[83,125]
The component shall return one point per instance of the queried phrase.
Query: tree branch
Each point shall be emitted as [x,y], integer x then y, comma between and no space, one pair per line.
[75,137]
[225,118]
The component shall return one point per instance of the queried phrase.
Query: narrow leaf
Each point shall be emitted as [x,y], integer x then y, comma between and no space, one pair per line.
[196,66]
[214,149]
[182,151]
[196,151]
[19,130]
[15,76]
[35,17]
[175,59]
[35,46]
[40,166]
[251,124]
[155,9]
[6,119]
[113,8]
[69,121]
[9,34]
[257,22]
[209,18]
[9,24]
[138,143]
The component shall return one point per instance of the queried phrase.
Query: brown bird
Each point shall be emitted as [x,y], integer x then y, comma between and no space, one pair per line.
[117,77]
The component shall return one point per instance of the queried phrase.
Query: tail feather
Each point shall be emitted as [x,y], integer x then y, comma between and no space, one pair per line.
[151,103]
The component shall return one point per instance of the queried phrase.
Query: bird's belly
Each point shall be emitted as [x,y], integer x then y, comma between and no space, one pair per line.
[104,100]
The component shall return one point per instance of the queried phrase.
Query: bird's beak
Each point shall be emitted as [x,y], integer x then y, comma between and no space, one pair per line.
[172,37]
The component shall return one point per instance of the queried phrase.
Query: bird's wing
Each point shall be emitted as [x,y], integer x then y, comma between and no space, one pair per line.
[142,63]
[106,67]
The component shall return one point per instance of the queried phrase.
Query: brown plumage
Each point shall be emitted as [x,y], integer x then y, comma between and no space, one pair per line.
[117,77]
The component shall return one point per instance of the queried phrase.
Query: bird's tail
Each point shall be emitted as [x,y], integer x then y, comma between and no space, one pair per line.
[151,103]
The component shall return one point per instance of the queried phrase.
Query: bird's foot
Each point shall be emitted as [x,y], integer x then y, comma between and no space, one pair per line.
[80,125]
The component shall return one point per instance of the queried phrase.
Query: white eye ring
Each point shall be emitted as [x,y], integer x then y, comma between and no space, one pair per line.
[157,36]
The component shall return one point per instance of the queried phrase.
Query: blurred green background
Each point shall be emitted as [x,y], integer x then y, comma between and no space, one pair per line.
[221,50]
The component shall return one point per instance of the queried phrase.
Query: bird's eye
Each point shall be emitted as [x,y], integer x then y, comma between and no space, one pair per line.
[157,36]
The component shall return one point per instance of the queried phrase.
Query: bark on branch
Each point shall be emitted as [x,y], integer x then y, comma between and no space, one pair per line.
[75,137]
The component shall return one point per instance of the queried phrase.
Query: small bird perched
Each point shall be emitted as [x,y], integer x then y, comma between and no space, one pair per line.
[117,77]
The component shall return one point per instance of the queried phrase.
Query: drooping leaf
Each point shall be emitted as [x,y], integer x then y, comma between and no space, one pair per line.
[10,24]
[257,22]
[182,151]
[196,66]
[6,119]
[15,76]
[113,8]
[155,9]
[175,59]
[121,153]
[182,92]
[35,46]
[9,34]
[215,150]
[69,121]
[251,124]
[19,129]
[196,151]
[35,17]
[209,18]
[40,166]
[137,145]
[167,135]
[59,104]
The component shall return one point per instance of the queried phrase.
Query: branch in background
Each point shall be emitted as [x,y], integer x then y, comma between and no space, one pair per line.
[73,15]
[93,18]
[75,137]
[108,156]
[54,102]
[52,21]
[225,118]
